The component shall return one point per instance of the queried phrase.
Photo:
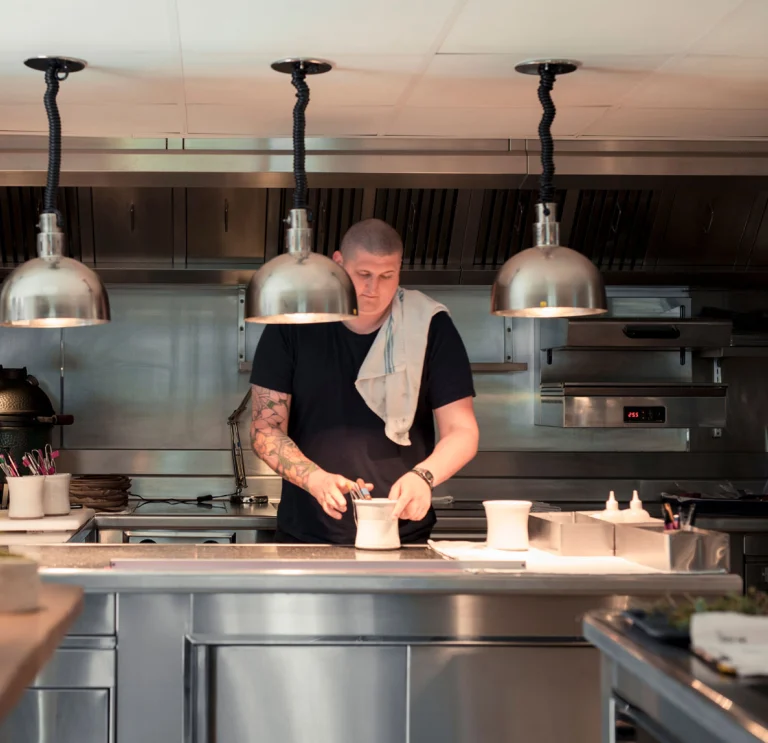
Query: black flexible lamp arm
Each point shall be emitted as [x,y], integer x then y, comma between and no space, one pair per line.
[54,74]
[298,78]
[546,187]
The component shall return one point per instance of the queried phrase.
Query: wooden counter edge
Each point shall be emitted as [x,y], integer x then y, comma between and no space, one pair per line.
[29,639]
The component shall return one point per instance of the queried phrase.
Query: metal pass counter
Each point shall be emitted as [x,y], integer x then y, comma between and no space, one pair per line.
[269,642]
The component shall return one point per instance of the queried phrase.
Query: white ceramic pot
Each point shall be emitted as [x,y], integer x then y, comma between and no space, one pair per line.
[56,494]
[507,524]
[376,529]
[25,497]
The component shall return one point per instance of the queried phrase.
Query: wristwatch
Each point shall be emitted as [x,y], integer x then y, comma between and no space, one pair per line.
[425,475]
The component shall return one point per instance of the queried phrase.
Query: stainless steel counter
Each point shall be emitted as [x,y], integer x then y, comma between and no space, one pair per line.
[296,643]
[668,693]
[318,568]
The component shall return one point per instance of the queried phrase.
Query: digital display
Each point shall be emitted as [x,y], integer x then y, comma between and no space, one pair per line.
[645,414]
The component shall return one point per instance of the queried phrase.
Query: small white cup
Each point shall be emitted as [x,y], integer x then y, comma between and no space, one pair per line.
[56,494]
[25,497]
[507,524]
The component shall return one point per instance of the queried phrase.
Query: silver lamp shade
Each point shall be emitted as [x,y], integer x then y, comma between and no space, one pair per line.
[548,280]
[53,291]
[300,286]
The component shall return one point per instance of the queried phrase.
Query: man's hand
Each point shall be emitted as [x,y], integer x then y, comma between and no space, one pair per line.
[413,496]
[329,491]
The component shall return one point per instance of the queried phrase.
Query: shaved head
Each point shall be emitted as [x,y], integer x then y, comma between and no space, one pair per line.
[373,236]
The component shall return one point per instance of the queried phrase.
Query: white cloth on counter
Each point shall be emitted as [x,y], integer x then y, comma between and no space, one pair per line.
[390,377]
[474,551]
[539,561]
[739,641]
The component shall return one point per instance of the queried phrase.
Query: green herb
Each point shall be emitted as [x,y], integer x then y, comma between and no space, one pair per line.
[678,611]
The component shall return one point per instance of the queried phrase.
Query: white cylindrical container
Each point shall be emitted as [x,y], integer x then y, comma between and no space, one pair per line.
[507,524]
[56,494]
[25,497]
[376,529]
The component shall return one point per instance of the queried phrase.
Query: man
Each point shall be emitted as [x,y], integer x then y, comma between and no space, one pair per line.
[311,425]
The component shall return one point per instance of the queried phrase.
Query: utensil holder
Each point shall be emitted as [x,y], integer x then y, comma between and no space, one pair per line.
[25,497]
[56,494]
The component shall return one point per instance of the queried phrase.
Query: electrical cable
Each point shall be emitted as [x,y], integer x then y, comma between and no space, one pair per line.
[298,78]
[546,187]
[54,74]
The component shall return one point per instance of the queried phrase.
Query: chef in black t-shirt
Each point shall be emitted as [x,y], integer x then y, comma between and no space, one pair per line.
[311,425]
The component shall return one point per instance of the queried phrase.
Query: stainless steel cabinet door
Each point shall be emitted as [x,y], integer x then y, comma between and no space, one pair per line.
[509,694]
[58,716]
[302,694]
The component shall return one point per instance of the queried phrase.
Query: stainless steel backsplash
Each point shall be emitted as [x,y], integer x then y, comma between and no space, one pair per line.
[151,392]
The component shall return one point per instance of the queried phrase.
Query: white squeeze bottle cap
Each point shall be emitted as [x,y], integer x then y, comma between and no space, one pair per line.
[612,504]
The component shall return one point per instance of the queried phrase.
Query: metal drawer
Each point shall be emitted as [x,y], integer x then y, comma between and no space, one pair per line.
[78,668]
[56,716]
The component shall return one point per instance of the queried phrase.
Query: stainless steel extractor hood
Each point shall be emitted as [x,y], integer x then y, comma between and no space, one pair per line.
[597,405]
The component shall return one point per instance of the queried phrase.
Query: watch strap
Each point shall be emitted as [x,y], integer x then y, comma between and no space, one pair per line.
[425,475]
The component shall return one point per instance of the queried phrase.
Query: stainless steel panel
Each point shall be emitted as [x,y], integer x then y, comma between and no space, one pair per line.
[97,616]
[226,224]
[608,412]
[164,536]
[54,716]
[473,695]
[150,696]
[78,668]
[133,225]
[163,374]
[483,334]
[570,534]
[393,616]
[689,550]
[323,694]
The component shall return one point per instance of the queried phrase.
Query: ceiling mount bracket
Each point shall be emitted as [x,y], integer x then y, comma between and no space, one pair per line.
[67,64]
[310,65]
[555,66]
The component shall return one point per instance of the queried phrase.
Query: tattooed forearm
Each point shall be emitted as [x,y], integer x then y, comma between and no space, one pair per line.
[270,440]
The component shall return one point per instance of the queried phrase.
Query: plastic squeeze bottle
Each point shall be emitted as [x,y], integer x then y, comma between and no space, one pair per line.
[611,512]
[635,513]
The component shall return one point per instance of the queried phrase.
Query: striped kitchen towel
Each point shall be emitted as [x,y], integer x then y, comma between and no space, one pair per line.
[390,377]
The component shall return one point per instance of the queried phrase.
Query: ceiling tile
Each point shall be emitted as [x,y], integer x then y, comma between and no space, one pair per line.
[273,121]
[125,77]
[705,82]
[742,33]
[489,122]
[565,28]
[103,120]
[246,79]
[490,80]
[79,28]
[692,123]
[306,28]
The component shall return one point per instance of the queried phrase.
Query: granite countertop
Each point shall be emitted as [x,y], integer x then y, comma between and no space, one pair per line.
[28,639]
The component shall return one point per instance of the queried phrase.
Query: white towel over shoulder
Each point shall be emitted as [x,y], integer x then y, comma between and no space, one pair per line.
[390,377]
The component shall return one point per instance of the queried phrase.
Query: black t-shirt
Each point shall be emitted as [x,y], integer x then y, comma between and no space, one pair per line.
[332,425]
